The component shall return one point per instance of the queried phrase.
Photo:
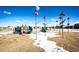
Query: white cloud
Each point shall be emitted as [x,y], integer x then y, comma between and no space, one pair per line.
[77,22]
[7,12]
[24,21]
[51,22]
[18,21]
[54,19]
[72,23]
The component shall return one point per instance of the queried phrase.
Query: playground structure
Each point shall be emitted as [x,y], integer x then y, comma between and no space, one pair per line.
[44,36]
[43,29]
[22,29]
[26,29]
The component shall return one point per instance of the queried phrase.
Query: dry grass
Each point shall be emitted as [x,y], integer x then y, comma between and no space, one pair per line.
[69,42]
[5,30]
[18,43]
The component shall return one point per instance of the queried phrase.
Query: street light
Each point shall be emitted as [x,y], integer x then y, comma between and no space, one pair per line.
[37,8]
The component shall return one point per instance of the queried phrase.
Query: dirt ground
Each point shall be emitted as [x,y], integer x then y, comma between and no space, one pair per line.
[70,41]
[5,30]
[23,43]
[17,43]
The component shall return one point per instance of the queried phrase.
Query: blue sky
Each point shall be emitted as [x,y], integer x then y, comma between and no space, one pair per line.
[17,15]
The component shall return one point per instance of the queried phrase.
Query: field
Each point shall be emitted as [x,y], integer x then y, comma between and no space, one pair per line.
[70,41]
[24,43]
[16,43]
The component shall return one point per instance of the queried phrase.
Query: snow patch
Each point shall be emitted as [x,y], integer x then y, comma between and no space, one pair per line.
[4,33]
[0,35]
[42,42]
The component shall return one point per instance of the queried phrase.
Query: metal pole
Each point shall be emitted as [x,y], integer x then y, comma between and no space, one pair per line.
[62,21]
[62,28]
[36,26]
[68,25]
[59,27]
[45,26]
[59,24]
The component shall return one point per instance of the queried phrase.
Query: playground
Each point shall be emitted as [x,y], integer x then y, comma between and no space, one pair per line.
[50,41]
[31,29]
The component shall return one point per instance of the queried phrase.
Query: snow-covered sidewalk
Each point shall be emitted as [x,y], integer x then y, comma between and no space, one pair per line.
[42,42]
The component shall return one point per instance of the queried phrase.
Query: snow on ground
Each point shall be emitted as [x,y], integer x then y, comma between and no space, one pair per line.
[0,35]
[51,34]
[74,30]
[42,42]
[71,30]
[4,33]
